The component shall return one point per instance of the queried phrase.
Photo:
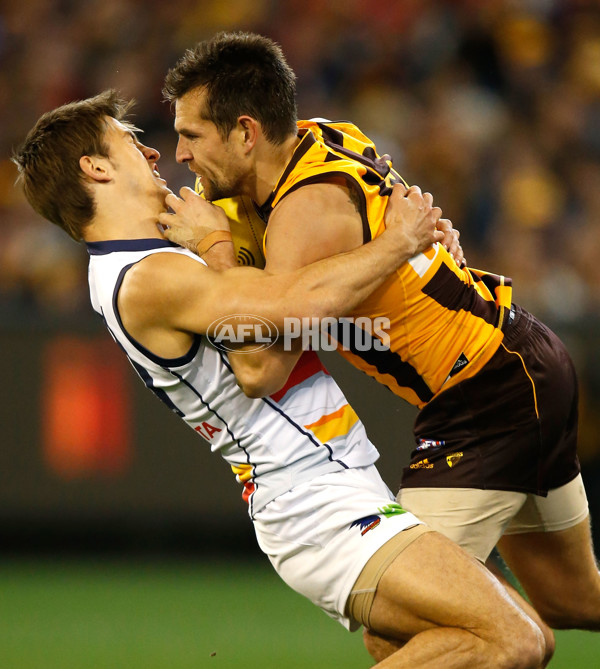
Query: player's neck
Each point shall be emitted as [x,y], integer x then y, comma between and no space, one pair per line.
[269,167]
[133,219]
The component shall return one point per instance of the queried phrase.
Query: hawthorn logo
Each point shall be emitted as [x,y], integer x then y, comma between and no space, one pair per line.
[229,332]
[453,458]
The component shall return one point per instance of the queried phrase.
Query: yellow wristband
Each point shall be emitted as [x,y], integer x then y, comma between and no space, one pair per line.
[211,239]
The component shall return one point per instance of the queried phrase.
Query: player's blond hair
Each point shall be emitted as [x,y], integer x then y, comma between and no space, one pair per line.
[48,160]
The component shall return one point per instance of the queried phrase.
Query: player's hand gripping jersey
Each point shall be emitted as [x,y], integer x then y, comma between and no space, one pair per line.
[445,322]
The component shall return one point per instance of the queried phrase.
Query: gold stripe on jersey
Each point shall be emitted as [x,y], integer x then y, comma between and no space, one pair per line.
[336,424]
[445,322]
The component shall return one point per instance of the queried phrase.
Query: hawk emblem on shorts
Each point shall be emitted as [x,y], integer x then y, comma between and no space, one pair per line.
[453,459]
[367,523]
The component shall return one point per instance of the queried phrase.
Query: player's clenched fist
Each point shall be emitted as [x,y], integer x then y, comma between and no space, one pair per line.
[412,217]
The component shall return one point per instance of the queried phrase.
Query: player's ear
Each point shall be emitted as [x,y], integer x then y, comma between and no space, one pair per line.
[248,129]
[96,167]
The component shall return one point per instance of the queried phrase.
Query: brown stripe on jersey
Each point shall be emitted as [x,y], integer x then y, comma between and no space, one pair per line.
[359,201]
[492,281]
[448,290]
[385,361]
[305,143]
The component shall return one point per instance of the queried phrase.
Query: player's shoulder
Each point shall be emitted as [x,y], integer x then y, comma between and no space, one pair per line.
[331,194]
[159,275]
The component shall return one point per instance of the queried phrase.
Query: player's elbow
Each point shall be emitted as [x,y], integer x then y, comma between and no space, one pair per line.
[254,390]
[256,383]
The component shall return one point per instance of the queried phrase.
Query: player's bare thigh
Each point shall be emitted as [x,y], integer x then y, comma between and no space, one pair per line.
[433,583]
[450,609]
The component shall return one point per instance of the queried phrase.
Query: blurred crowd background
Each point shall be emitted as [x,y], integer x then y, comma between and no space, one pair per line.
[493,106]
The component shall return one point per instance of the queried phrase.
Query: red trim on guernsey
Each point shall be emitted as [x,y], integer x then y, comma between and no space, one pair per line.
[308,365]
[249,488]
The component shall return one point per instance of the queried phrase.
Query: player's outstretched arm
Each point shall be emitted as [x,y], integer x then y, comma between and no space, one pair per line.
[174,293]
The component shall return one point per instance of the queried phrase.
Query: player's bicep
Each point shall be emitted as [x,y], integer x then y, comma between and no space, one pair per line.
[314,222]
[176,293]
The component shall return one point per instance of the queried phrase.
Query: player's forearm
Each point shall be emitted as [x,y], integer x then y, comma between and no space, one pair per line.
[220,256]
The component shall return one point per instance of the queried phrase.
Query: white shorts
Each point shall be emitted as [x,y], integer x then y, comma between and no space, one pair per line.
[320,535]
[476,519]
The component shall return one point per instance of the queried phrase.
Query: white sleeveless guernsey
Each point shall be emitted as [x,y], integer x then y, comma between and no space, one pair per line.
[272,444]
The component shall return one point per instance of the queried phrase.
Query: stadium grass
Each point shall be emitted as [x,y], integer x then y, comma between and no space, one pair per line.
[170,614]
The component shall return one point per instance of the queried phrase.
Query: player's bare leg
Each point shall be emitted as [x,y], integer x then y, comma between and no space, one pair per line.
[380,647]
[451,611]
[549,640]
[559,573]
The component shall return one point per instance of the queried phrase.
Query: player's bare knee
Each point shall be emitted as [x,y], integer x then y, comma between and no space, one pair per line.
[549,646]
[521,648]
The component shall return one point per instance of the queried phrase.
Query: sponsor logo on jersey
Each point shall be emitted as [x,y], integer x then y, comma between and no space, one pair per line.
[366,524]
[453,459]
[458,365]
[246,257]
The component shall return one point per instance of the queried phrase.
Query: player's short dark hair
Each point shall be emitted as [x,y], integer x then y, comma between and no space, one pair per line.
[242,73]
[48,160]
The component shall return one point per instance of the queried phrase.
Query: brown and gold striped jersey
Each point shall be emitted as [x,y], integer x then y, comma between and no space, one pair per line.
[445,322]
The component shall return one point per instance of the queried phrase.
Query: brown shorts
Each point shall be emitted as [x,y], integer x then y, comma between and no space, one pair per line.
[513,426]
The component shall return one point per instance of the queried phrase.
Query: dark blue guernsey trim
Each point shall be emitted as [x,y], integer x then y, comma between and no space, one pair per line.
[145,376]
[229,432]
[163,362]
[115,245]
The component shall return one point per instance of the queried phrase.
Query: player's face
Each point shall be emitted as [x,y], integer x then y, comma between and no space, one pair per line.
[217,162]
[135,164]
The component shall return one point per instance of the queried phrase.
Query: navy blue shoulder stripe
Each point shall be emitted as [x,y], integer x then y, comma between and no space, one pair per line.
[115,245]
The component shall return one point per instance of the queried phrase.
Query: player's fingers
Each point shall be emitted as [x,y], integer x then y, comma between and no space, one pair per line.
[436,212]
[444,225]
[414,192]
[438,236]
[167,220]
[428,199]
[398,190]
[186,192]
[172,201]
